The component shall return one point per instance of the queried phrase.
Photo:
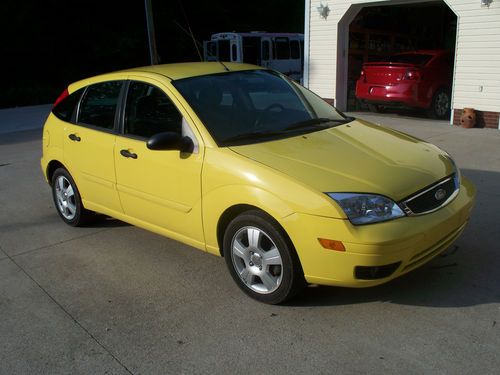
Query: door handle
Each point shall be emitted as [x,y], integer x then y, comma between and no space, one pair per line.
[128,154]
[74,137]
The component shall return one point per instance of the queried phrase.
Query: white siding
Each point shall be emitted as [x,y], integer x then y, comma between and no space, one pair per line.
[477,66]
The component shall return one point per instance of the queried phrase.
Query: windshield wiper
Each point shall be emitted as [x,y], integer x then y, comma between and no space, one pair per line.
[315,122]
[252,135]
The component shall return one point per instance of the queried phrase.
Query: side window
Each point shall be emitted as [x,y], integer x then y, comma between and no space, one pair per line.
[265,50]
[98,106]
[234,52]
[282,48]
[65,109]
[149,111]
[295,49]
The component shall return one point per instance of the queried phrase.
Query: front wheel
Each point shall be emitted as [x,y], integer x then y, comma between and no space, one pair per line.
[67,199]
[261,258]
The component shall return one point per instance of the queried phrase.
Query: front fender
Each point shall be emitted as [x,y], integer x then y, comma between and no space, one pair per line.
[217,201]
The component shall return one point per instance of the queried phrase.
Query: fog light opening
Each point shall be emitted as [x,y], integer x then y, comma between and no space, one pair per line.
[375,272]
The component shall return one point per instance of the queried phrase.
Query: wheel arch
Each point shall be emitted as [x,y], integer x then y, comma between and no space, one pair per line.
[232,212]
[227,216]
[51,168]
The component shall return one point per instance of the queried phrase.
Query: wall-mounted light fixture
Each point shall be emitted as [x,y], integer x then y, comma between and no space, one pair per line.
[486,3]
[324,10]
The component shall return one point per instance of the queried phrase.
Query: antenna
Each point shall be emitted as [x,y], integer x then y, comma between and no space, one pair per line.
[225,67]
[190,31]
[197,43]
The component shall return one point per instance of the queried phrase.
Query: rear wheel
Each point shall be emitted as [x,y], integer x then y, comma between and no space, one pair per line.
[67,199]
[440,105]
[261,258]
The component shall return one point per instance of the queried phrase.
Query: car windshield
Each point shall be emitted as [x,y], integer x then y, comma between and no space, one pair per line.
[254,106]
[410,58]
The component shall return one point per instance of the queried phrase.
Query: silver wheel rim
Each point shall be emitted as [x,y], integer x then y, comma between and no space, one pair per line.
[442,104]
[256,260]
[65,198]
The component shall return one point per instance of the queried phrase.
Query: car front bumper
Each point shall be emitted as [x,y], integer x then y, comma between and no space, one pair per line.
[376,253]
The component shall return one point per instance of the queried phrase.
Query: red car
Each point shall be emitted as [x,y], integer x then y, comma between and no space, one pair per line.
[420,79]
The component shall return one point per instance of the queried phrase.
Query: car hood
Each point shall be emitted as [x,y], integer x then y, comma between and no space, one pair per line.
[356,157]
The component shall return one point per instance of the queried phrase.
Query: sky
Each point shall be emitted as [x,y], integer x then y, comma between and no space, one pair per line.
[49,44]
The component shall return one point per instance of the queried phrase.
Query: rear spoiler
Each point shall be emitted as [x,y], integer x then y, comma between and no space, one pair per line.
[402,65]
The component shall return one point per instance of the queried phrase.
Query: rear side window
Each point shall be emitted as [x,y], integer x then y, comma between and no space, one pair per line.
[65,109]
[99,104]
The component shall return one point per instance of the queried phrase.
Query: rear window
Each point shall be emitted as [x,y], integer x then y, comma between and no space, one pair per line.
[411,58]
[65,109]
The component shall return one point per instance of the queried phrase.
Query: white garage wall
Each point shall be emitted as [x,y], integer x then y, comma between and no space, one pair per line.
[477,67]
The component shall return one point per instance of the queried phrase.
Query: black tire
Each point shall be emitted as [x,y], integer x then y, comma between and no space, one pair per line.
[287,276]
[69,206]
[440,105]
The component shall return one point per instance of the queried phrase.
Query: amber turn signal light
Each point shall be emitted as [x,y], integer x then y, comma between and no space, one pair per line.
[331,244]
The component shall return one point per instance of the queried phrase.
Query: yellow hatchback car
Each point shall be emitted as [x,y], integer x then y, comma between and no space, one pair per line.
[241,162]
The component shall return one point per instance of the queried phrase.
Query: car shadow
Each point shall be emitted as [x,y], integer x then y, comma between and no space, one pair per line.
[103,221]
[466,274]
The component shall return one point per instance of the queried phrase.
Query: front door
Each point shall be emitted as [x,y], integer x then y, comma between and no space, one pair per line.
[161,188]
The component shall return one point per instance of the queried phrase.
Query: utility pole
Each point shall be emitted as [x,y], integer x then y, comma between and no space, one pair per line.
[153,54]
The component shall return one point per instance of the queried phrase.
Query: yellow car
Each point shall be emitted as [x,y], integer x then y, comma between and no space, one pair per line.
[241,162]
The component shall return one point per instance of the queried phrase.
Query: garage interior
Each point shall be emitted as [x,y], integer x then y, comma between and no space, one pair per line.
[378,32]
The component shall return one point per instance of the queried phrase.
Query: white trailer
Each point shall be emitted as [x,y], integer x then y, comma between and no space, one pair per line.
[283,52]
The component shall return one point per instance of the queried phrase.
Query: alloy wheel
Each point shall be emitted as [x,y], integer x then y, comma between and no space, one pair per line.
[256,260]
[65,198]
[442,104]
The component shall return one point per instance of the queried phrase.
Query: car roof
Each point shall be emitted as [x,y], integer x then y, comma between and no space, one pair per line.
[170,71]
[193,69]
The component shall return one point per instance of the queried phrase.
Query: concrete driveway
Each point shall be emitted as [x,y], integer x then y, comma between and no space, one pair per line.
[112,298]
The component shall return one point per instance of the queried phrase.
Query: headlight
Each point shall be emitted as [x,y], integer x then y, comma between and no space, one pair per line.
[367,208]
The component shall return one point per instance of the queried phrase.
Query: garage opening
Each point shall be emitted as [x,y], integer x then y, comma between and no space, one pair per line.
[386,39]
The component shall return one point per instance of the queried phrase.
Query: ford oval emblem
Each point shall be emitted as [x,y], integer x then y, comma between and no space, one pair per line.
[440,194]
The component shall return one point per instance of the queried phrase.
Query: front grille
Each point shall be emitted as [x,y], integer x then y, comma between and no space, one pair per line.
[432,197]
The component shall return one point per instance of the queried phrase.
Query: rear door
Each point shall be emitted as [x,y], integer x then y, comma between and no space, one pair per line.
[282,61]
[89,146]
[159,187]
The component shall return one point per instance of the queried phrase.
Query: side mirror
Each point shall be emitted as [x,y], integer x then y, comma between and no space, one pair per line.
[170,141]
